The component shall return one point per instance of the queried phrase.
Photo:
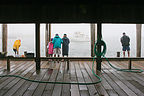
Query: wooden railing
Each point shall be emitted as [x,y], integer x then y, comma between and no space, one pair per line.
[69,59]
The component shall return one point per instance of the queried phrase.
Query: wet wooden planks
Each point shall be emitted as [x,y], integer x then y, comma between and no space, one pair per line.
[123,79]
[114,83]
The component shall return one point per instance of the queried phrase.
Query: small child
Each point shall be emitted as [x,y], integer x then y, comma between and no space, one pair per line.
[50,48]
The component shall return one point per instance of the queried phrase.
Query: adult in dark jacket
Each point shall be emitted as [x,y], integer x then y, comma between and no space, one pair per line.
[65,45]
[125,40]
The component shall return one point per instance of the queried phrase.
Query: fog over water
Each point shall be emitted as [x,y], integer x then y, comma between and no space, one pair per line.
[79,35]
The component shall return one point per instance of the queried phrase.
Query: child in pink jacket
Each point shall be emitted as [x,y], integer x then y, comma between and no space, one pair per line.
[50,48]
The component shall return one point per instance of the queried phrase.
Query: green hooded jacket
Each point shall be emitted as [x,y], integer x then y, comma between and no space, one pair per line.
[57,42]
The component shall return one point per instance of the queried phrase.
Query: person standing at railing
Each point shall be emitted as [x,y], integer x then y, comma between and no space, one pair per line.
[50,48]
[125,41]
[16,46]
[65,45]
[57,41]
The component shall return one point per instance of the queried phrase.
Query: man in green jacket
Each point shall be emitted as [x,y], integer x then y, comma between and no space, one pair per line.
[57,41]
[125,41]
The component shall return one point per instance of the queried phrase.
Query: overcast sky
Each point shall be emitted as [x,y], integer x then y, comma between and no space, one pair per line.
[18,30]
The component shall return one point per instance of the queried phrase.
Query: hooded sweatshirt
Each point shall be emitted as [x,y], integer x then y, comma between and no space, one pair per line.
[125,40]
[17,44]
[50,47]
[57,42]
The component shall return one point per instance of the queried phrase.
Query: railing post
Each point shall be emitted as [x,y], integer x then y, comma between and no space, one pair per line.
[130,65]
[8,64]
[67,64]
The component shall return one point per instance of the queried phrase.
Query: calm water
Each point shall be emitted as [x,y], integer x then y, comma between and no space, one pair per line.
[77,49]
[79,35]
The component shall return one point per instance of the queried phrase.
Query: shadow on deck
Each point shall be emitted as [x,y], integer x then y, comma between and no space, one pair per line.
[113,82]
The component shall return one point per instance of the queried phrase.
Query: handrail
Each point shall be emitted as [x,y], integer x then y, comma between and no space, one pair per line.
[74,58]
[71,58]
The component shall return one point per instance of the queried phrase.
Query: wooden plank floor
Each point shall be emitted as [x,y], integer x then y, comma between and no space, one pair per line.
[114,83]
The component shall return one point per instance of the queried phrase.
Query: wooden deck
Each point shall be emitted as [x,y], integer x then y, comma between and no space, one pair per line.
[113,83]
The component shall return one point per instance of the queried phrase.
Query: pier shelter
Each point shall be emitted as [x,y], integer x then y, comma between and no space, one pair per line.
[79,70]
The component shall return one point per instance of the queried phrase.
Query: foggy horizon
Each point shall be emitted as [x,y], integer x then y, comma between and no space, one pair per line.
[75,32]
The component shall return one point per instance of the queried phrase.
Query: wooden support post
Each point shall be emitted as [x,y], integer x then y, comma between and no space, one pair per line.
[47,37]
[37,60]
[49,32]
[92,39]
[46,40]
[4,37]
[138,37]
[99,37]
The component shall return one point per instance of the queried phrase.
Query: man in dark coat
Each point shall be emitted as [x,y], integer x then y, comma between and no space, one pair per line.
[125,40]
[65,45]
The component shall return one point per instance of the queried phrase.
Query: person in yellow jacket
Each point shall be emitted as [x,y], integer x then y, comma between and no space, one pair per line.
[16,46]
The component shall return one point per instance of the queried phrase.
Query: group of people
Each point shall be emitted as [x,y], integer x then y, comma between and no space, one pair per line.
[54,46]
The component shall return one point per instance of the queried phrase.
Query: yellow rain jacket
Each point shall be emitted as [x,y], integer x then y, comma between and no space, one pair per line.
[17,44]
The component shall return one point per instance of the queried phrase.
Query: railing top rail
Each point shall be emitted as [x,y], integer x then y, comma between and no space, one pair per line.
[72,58]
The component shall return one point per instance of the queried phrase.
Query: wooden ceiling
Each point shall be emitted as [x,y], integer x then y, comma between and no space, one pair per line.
[71,11]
